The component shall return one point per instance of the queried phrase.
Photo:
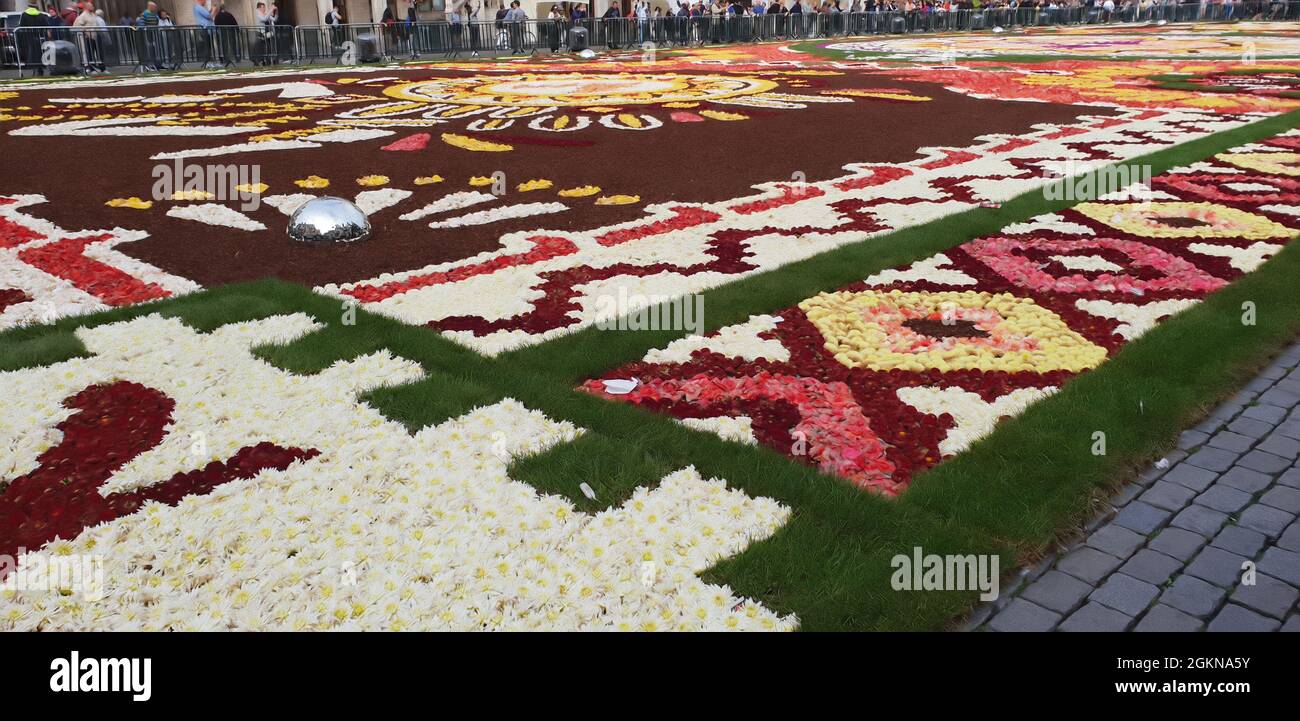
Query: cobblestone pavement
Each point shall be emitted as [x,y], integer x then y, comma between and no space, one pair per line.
[1168,554]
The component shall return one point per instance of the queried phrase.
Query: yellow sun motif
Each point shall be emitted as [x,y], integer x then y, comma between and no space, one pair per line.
[885,330]
[578,89]
[1276,163]
[1183,220]
[312,181]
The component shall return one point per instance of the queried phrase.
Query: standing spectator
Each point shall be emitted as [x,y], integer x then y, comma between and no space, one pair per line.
[88,27]
[148,35]
[29,50]
[263,52]
[515,18]
[227,35]
[203,19]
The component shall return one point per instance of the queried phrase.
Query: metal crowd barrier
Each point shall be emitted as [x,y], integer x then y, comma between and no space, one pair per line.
[150,48]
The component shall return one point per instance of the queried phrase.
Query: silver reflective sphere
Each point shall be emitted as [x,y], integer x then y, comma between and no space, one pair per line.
[328,220]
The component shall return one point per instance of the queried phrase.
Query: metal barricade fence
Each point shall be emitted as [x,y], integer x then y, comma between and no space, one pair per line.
[347,44]
[149,48]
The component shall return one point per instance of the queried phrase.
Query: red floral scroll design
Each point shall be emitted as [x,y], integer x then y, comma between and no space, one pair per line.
[12,296]
[113,424]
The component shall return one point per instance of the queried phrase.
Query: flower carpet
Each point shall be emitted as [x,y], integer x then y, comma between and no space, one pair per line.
[430,430]
[934,354]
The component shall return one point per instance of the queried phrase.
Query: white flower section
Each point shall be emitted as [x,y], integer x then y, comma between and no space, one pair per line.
[287,204]
[1049,222]
[1138,192]
[508,212]
[235,149]
[1244,259]
[350,135]
[1250,187]
[382,530]
[974,417]
[140,125]
[1135,320]
[735,341]
[1206,166]
[53,297]
[449,202]
[289,90]
[215,214]
[739,429]
[1284,209]
[1086,263]
[373,201]
[932,269]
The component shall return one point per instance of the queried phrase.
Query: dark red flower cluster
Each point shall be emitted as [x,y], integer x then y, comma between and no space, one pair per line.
[113,424]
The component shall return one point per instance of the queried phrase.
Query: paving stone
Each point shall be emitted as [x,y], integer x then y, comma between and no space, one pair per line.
[1264,462]
[1220,567]
[1252,427]
[1289,429]
[1167,619]
[1230,441]
[1126,494]
[1057,591]
[1236,618]
[1169,496]
[1292,625]
[1142,517]
[1192,595]
[1118,541]
[1260,384]
[1150,566]
[1238,540]
[1274,372]
[1210,425]
[1265,519]
[1291,478]
[1290,538]
[1191,438]
[1281,563]
[1193,477]
[1282,498]
[1095,617]
[1213,459]
[1281,446]
[1231,407]
[1290,384]
[1266,413]
[1125,594]
[1280,397]
[1246,480]
[1088,564]
[1022,615]
[1178,543]
[1268,596]
[1205,521]
[1224,498]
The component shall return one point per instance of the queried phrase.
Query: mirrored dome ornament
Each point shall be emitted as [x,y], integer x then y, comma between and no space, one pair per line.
[328,220]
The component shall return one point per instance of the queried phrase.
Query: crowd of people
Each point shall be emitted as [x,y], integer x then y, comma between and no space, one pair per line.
[217,37]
